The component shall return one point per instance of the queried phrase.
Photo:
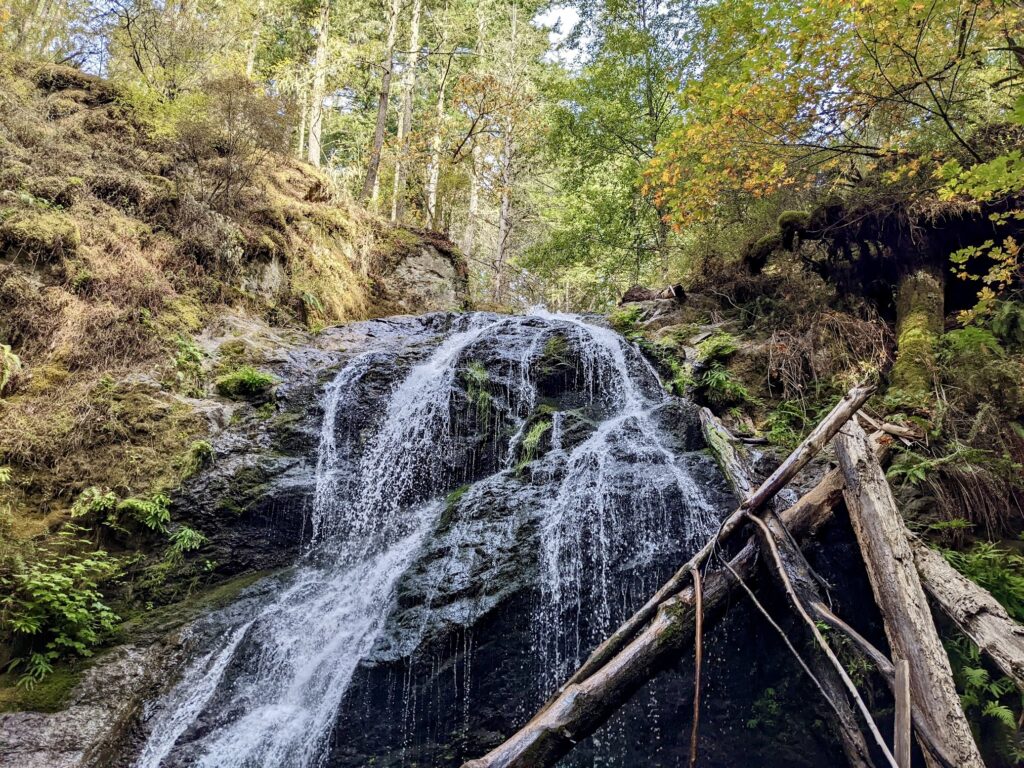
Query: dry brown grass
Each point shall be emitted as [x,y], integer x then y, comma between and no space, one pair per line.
[154,257]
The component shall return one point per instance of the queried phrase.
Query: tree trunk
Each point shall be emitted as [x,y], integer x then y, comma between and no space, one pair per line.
[405,116]
[504,216]
[316,111]
[919,324]
[975,612]
[302,127]
[735,464]
[897,588]
[254,40]
[436,141]
[371,184]
[473,212]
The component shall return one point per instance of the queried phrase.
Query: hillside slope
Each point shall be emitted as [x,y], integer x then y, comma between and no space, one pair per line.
[142,273]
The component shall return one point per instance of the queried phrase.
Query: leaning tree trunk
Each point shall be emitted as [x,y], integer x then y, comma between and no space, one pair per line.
[975,612]
[734,461]
[405,116]
[316,99]
[919,324]
[897,588]
[371,182]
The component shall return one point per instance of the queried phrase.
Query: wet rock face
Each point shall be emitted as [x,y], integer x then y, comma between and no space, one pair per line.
[559,486]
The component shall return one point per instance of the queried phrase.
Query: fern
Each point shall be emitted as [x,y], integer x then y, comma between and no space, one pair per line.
[154,512]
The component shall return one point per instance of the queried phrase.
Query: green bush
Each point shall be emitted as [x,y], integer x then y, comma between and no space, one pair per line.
[246,383]
[976,364]
[999,571]
[56,606]
[721,389]
[94,503]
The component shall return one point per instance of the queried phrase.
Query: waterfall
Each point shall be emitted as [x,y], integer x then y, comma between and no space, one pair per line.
[269,692]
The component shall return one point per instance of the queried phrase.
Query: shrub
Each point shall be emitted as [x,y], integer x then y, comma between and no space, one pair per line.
[720,389]
[245,383]
[94,503]
[56,605]
[183,540]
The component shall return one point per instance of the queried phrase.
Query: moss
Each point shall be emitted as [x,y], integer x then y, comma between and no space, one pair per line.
[59,190]
[477,381]
[626,320]
[10,367]
[792,224]
[451,504]
[198,456]
[919,325]
[46,235]
[48,695]
[756,255]
[246,487]
[245,383]
[717,348]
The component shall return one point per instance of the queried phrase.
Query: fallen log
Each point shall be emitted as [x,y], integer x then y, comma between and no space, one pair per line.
[797,460]
[889,562]
[974,611]
[793,574]
[581,706]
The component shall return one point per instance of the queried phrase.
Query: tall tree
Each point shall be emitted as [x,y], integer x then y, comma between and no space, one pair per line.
[316,99]
[405,116]
[372,183]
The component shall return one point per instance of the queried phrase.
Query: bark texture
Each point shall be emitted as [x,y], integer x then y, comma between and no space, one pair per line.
[919,324]
[974,611]
[316,112]
[901,599]
[371,184]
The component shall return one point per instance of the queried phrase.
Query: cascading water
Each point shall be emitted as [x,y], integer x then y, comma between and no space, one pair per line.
[608,494]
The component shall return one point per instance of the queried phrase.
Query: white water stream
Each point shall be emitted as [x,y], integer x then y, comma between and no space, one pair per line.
[284,672]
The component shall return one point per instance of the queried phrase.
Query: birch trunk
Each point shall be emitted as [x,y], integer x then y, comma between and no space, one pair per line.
[319,82]
[405,116]
[909,627]
[371,184]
